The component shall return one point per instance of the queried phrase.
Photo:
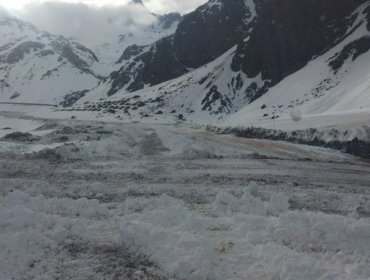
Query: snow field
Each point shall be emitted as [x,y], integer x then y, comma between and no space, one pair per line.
[185,201]
[239,235]
[35,228]
[247,236]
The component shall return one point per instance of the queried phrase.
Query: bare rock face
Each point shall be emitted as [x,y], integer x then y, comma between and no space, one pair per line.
[31,59]
[211,30]
[289,33]
[18,53]
[201,36]
[351,51]
[275,38]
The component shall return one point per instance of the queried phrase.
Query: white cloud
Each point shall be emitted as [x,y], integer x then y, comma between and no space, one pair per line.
[157,6]
[89,24]
[3,11]
[93,21]
[182,6]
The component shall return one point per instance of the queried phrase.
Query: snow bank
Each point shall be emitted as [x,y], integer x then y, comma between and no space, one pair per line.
[247,236]
[193,152]
[34,231]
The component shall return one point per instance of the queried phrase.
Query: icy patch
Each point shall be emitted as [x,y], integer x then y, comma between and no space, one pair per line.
[247,236]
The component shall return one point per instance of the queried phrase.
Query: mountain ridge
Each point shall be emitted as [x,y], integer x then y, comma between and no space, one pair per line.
[240,61]
[34,63]
[218,89]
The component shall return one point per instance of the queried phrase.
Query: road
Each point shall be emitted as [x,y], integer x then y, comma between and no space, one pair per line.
[28,104]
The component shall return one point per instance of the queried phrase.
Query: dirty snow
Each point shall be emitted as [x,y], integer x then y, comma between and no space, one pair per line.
[100,200]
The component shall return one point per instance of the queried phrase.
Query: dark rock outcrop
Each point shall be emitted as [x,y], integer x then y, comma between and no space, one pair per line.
[201,36]
[168,20]
[214,96]
[289,33]
[20,137]
[281,39]
[158,64]
[73,97]
[130,52]
[18,53]
[211,30]
[352,50]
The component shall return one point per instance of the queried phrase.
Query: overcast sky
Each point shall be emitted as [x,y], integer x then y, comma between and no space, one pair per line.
[157,6]
[93,21]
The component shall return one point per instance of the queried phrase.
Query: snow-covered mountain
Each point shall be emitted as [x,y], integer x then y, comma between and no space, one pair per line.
[111,50]
[200,37]
[132,32]
[36,66]
[279,62]
[336,82]
[243,61]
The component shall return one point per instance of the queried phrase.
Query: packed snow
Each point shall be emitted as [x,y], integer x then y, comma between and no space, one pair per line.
[104,200]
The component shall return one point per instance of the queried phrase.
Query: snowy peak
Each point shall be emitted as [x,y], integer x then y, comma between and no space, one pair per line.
[20,38]
[200,37]
[144,29]
[38,66]
[12,22]
[48,59]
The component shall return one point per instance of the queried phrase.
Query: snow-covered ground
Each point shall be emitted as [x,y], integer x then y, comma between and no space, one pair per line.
[104,200]
[9,125]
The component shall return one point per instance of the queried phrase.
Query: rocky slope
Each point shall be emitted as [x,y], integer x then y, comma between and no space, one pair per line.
[39,67]
[245,61]
[138,27]
[200,37]
[288,34]
[36,66]
[280,62]
[334,84]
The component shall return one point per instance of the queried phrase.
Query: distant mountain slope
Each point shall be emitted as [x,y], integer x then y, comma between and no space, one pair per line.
[285,62]
[200,37]
[289,33]
[243,61]
[334,83]
[111,49]
[138,27]
[36,66]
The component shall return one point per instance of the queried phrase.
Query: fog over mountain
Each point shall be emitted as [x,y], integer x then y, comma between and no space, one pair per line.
[96,23]
[155,6]
[87,23]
